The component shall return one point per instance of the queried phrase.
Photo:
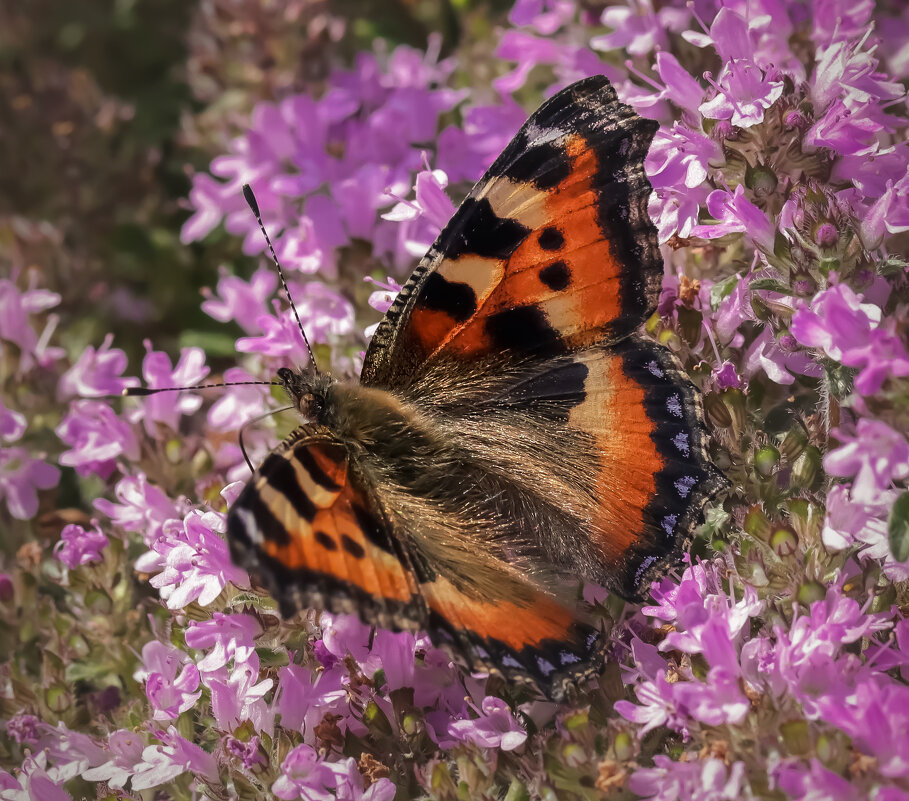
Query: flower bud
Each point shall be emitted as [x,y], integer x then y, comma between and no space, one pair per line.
[690,325]
[796,736]
[573,755]
[811,591]
[98,602]
[516,792]
[623,746]
[805,518]
[803,283]
[827,748]
[735,402]
[806,470]
[7,590]
[826,236]
[794,443]
[784,541]
[761,180]
[756,523]
[670,340]
[796,119]
[58,698]
[576,720]
[717,411]
[411,724]
[375,718]
[767,461]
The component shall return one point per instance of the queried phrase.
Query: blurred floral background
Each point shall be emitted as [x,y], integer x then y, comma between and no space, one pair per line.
[137,662]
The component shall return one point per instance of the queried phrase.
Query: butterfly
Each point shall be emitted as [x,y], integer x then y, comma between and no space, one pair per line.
[511,432]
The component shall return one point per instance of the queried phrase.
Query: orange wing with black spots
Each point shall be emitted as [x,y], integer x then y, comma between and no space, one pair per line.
[552,251]
[313,537]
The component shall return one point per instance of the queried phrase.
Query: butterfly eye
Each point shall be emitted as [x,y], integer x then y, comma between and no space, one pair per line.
[285,374]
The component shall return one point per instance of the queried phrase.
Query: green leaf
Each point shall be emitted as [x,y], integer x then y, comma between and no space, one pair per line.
[898,527]
[722,289]
[771,285]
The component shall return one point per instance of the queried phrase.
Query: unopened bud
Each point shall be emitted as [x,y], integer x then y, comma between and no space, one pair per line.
[807,468]
[811,591]
[826,236]
[794,443]
[756,523]
[767,461]
[761,180]
[717,411]
[784,541]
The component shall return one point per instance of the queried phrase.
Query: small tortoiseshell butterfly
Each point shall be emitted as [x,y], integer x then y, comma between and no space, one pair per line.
[511,432]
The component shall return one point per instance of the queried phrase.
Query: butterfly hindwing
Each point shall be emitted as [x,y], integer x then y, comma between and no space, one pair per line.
[551,251]
[652,473]
[314,538]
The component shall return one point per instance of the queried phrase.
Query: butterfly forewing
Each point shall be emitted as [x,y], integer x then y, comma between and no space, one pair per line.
[552,250]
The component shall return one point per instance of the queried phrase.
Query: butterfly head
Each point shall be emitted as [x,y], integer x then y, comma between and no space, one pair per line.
[307,390]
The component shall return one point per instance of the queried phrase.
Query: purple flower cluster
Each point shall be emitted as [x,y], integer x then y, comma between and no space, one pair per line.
[777,666]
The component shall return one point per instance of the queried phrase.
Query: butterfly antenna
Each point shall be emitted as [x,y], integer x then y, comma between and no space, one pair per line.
[254,206]
[133,392]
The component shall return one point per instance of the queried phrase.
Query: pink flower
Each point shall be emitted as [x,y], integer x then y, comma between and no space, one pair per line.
[815,783]
[236,406]
[174,756]
[304,696]
[247,752]
[717,701]
[125,748]
[143,508]
[230,637]
[168,693]
[23,728]
[96,372]
[744,92]
[21,477]
[33,783]
[304,774]
[12,424]
[495,727]
[96,437]
[240,301]
[16,327]
[238,697]
[640,29]
[850,331]
[80,547]
[874,456]
[194,561]
[692,780]
[657,706]
[166,408]
[736,213]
